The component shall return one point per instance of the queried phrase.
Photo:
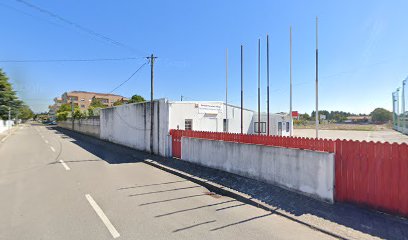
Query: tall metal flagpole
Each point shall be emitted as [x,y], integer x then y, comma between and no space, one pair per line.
[403,106]
[226,90]
[242,90]
[317,79]
[393,109]
[290,110]
[398,109]
[259,86]
[267,77]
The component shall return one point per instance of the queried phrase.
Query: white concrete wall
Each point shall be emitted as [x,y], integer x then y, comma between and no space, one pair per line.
[90,126]
[129,125]
[5,125]
[307,172]
[179,111]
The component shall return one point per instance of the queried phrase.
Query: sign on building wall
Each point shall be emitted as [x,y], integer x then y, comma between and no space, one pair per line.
[212,108]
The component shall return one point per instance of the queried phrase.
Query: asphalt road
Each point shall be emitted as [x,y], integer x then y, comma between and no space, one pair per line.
[104,191]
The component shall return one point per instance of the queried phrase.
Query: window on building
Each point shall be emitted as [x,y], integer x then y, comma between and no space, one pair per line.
[82,106]
[188,124]
[225,125]
[287,127]
[262,129]
[82,99]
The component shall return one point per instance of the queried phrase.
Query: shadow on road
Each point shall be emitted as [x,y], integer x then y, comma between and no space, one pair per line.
[109,152]
[295,205]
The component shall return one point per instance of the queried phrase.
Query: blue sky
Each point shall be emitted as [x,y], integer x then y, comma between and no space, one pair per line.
[362,46]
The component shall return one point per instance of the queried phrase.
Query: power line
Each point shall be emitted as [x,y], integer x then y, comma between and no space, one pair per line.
[76,25]
[67,60]
[129,77]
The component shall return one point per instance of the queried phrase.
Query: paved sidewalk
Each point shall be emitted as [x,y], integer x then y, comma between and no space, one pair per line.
[347,221]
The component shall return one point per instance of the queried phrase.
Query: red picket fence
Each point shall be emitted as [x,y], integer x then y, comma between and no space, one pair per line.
[278,141]
[367,173]
[373,174]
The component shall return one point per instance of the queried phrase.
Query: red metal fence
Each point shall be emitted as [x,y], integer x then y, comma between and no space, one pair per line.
[278,141]
[367,173]
[373,174]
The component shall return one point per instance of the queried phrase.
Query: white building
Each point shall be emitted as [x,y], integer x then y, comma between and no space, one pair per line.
[129,124]
[218,117]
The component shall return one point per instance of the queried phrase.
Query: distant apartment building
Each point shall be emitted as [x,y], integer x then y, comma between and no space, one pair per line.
[83,99]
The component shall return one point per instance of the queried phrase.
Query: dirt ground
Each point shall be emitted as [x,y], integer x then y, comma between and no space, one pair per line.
[386,135]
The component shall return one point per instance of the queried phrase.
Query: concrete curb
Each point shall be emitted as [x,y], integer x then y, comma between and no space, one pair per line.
[247,199]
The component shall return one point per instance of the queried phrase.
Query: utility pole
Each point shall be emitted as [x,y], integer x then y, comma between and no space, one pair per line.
[290,108]
[242,90]
[317,80]
[226,90]
[267,77]
[9,118]
[72,112]
[259,86]
[151,60]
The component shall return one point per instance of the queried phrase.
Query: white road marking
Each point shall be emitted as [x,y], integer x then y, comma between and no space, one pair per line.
[52,149]
[4,139]
[46,141]
[65,165]
[102,216]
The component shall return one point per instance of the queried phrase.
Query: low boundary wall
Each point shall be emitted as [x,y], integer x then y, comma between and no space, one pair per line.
[308,172]
[89,126]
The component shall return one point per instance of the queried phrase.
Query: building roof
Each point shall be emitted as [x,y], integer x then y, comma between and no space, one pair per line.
[95,93]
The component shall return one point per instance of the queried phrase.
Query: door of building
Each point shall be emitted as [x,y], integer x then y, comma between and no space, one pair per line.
[279,128]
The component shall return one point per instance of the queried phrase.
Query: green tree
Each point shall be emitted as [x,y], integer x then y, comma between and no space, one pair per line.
[66,107]
[136,99]
[62,116]
[380,115]
[25,113]
[304,117]
[8,97]
[118,103]
[97,103]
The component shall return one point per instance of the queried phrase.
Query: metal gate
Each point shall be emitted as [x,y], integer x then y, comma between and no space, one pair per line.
[176,142]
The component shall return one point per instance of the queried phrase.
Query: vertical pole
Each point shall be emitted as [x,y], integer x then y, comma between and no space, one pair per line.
[290,108]
[398,109]
[9,120]
[403,107]
[72,112]
[317,80]
[393,111]
[151,58]
[267,77]
[226,90]
[242,90]
[259,86]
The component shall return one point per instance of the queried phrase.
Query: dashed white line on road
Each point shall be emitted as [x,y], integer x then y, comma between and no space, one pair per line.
[4,139]
[46,141]
[65,165]
[52,149]
[102,216]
